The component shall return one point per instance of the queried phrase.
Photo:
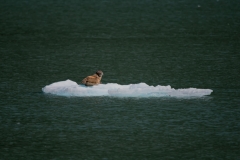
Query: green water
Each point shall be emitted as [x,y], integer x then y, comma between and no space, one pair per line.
[179,43]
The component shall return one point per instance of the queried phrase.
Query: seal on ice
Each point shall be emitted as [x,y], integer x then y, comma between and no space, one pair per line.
[94,79]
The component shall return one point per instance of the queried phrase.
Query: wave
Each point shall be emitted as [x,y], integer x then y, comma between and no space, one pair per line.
[70,88]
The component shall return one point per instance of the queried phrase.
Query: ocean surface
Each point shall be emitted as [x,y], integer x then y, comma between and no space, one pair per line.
[183,44]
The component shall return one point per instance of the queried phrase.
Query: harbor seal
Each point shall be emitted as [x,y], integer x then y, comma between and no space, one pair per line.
[94,79]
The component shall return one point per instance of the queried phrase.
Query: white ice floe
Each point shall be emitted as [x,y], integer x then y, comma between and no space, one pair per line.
[71,88]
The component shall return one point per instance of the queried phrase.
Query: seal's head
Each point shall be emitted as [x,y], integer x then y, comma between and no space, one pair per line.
[99,73]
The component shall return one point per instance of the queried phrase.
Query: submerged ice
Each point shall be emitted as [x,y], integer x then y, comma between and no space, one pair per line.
[71,88]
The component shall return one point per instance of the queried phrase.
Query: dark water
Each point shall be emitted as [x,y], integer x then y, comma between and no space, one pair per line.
[179,43]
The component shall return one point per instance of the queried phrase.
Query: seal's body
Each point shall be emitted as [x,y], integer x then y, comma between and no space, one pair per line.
[93,79]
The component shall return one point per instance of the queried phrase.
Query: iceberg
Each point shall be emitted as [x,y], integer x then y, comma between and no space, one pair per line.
[70,88]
